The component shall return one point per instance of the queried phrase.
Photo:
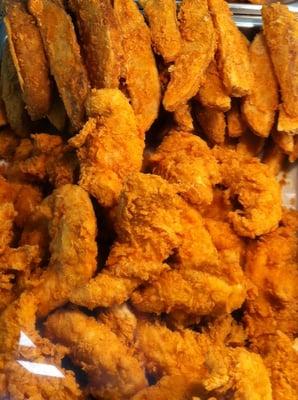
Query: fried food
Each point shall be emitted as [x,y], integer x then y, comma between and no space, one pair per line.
[287,124]
[213,124]
[212,93]
[186,160]
[257,191]
[236,126]
[73,247]
[103,144]
[287,143]
[100,39]
[272,268]
[3,119]
[250,144]
[63,53]
[113,374]
[232,47]
[11,95]
[260,105]
[281,33]
[165,35]
[7,215]
[274,158]
[24,40]
[8,143]
[141,75]
[197,51]
[183,118]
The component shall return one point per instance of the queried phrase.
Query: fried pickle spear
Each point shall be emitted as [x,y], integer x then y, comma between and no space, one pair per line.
[234,63]
[11,95]
[63,53]
[197,51]
[101,41]
[113,374]
[24,41]
[212,93]
[141,75]
[103,144]
[162,19]
[72,230]
[281,33]
[260,105]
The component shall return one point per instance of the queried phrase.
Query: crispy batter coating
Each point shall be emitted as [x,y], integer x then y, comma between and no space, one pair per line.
[141,75]
[101,41]
[260,105]
[63,53]
[272,268]
[186,160]
[162,19]
[24,41]
[112,371]
[257,191]
[8,143]
[274,158]
[72,229]
[103,144]
[11,95]
[281,33]
[213,124]
[232,47]
[249,144]
[197,51]
[183,118]
[7,215]
[287,124]
[212,93]
[236,126]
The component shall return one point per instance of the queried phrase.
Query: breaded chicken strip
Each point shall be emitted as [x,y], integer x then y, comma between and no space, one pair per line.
[249,145]
[141,75]
[212,93]
[72,230]
[272,268]
[162,19]
[274,158]
[197,51]
[63,53]
[260,105]
[103,144]
[234,63]
[183,118]
[281,34]
[287,124]
[213,124]
[256,190]
[101,41]
[8,143]
[287,143]
[24,41]
[236,126]
[112,371]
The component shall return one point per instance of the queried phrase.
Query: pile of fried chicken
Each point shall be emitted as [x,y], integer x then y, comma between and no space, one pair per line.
[144,250]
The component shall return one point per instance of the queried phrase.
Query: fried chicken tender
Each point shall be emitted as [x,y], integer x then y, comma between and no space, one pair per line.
[213,124]
[236,126]
[287,143]
[281,33]
[232,47]
[149,227]
[197,51]
[73,247]
[250,145]
[63,53]
[103,144]
[272,268]
[101,41]
[257,191]
[186,160]
[11,95]
[8,144]
[141,75]
[212,93]
[286,124]
[274,158]
[113,374]
[183,118]
[260,105]
[7,215]
[165,35]
[24,40]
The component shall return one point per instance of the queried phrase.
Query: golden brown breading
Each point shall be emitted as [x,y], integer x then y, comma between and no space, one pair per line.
[281,33]
[7,215]
[63,53]
[287,124]
[287,143]
[212,93]
[141,75]
[72,230]
[162,19]
[232,47]
[186,160]
[274,158]
[112,371]
[103,144]
[11,95]
[260,105]
[272,268]
[24,41]
[236,126]
[183,118]
[213,124]
[198,47]
[8,143]
[258,193]
[101,41]
[249,144]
